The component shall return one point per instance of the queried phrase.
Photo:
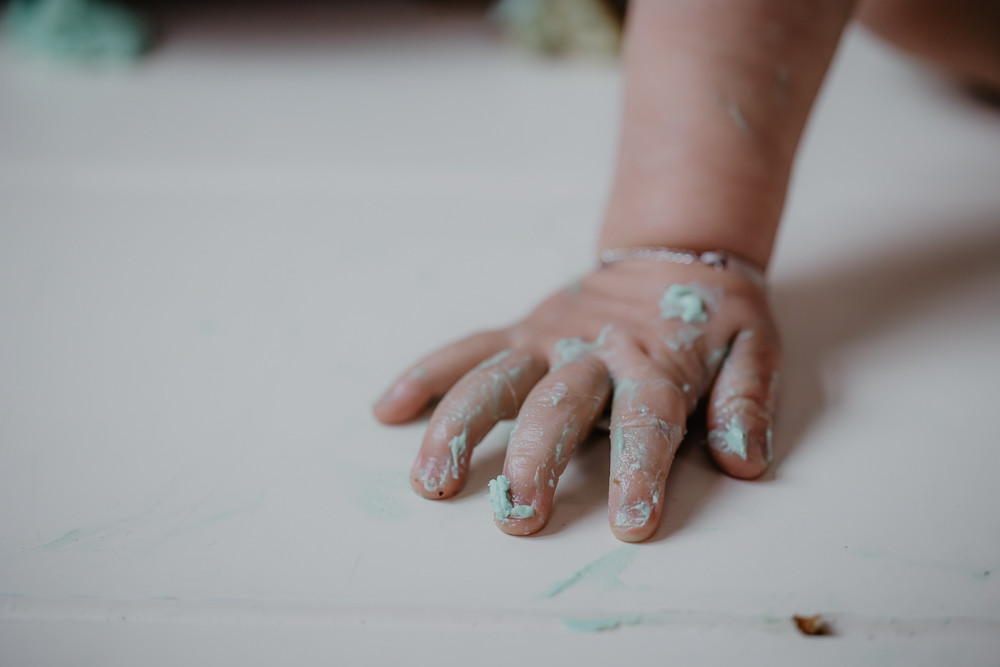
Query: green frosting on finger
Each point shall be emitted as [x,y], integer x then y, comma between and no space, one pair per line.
[571,349]
[503,508]
[732,439]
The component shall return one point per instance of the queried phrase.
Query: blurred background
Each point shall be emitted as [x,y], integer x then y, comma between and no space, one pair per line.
[225,226]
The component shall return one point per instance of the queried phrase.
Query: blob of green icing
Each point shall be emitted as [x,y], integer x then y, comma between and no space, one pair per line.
[499,496]
[571,349]
[733,439]
[522,512]
[684,301]
[76,30]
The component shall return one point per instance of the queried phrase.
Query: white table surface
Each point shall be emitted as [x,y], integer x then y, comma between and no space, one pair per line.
[212,264]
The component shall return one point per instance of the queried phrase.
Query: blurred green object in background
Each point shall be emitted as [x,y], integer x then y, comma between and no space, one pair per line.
[561,26]
[85,31]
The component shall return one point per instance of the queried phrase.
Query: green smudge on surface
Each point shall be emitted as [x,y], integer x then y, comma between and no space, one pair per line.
[113,535]
[207,521]
[72,537]
[605,570]
[378,492]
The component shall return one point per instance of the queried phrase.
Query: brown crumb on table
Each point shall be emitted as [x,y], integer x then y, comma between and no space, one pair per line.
[812,626]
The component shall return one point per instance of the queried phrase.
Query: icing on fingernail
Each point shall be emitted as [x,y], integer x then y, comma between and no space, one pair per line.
[500,499]
[732,439]
[635,516]
[434,475]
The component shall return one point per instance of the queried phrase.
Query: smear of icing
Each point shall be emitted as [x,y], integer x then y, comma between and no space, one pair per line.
[458,446]
[732,439]
[628,449]
[683,338]
[605,570]
[635,516]
[737,115]
[571,349]
[555,394]
[493,361]
[433,477]
[499,496]
[716,356]
[625,385]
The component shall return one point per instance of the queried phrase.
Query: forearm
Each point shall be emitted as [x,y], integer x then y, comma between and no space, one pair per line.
[717,94]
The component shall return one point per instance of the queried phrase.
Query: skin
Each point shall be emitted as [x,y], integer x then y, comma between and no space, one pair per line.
[717,94]
[961,37]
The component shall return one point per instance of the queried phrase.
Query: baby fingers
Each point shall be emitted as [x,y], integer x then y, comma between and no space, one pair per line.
[435,375]
[647,425]
[492,391]
[742,403]
[559,413]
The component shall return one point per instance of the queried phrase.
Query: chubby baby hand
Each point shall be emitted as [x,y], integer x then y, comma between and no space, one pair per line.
[650,337]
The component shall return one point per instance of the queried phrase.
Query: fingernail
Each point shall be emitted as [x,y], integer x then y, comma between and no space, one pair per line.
[432,474]
[395,393]
[732,439]
[635,516]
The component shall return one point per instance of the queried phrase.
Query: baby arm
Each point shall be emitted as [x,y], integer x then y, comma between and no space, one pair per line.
[717,94]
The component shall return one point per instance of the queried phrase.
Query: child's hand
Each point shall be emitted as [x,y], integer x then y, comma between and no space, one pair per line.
[621,330]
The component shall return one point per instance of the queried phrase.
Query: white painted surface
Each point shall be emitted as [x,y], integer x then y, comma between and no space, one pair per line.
[210,266]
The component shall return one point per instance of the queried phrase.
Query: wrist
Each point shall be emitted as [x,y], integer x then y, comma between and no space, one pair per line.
[738,218]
